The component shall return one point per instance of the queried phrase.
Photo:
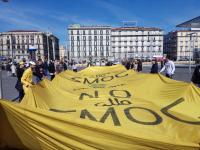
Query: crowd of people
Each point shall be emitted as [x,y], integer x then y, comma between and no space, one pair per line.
[167,65]
[25,70]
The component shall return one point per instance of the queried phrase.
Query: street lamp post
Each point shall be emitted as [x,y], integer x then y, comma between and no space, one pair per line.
[1,87]
[48,46]
[191,49]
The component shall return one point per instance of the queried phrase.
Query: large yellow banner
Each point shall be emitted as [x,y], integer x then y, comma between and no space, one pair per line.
[104,108]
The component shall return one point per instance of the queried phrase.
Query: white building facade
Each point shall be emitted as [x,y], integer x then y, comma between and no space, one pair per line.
[89,42]
[136,42]
[114,43]
[181,45]
[17,43]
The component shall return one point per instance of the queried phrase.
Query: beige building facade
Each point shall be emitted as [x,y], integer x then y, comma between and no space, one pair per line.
[181,45]
[17,44]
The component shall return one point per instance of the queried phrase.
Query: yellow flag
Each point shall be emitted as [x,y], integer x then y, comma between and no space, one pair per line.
[104,108]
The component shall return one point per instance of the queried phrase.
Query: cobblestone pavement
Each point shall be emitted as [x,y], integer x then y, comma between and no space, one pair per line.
[9,91]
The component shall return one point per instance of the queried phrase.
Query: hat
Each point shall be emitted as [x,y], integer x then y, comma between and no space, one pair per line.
[21,63]
[32,63]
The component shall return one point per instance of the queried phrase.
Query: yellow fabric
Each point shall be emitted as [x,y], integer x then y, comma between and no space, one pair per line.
[27,79]
[105,108]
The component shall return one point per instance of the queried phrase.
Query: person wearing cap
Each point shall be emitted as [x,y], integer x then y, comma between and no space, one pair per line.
[18,86]
[27,77]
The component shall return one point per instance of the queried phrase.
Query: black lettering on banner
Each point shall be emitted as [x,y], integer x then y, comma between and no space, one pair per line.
[120,75]
[90,82]
[130,117]
[166,109]
[102,75]
[110,111]
[85,113]
[96,95]
[113,93]
[75,79]
[62,111]
[106,79]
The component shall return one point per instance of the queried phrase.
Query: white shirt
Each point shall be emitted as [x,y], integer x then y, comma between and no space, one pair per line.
[13,69]
[169,67]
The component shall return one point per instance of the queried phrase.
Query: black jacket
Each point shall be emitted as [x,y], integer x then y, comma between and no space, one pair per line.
[139,66]
[196,75]
[154,68]
[20,72]
[51,68]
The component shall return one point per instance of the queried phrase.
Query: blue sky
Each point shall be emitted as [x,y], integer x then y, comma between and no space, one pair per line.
[56,15]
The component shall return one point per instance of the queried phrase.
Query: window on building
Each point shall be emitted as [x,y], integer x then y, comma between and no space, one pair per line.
[101,32]
[38,40]
[181,48]
[7,41]
[102,53]
[27,41]
[18,46]
[90,49]
[78,54]
[95,38]
[89,32]
[90,38]
[101,38]
[78,38]
[107,38]
[95,53]
[95,32]
[13,40]
[78,32]
[107,31]
[72,38]
[72,32]
[83,32]
[84,38]
[101,42]
[32,39]
[72,43]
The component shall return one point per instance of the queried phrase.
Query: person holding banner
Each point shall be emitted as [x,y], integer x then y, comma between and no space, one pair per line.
[169,67]
[18,86]
[28,76]
[196,75]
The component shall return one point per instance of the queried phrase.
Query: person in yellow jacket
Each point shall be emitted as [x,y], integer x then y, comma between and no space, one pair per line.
[28,76]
